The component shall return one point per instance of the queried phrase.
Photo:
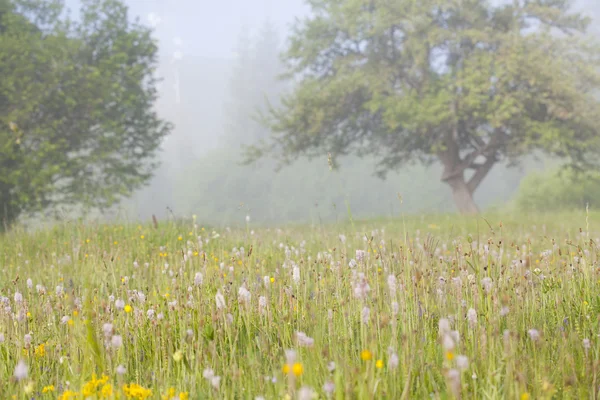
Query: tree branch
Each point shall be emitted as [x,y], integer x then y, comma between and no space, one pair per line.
[481,173]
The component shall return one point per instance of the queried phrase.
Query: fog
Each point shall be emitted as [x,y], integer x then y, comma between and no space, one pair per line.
[201,44]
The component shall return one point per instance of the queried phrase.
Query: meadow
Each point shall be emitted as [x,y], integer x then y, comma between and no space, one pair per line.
[487,307]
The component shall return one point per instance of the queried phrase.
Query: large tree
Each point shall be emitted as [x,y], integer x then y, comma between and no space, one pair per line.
[77,119]
[467,83]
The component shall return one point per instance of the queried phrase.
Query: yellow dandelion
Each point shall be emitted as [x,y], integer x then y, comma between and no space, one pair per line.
[142,236]
[525,396]
[366,355]
[75,313]
[297,369]
[48,389]
[272,279]
[379,363]
[449,356]
[179,238]
[128,308]
[286,368]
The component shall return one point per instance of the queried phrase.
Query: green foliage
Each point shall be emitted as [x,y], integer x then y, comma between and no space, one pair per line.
[77,124]
[454,81]
[558,190]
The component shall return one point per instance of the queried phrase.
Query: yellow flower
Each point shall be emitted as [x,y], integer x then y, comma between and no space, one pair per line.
[179,238]
[297,369]
[366,355]
[75,313]
[142,236]
[525,396]
[28,388]
[178,356]
[128,308]
[286,368]
[48,389]
[68,394]
[449,356]
[379,364]
[115,242]
[70,322]
[272,279]
[28,315]
[135,391]
[40,351]
[106,391]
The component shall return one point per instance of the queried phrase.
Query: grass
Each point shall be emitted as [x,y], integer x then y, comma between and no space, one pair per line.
[432,306]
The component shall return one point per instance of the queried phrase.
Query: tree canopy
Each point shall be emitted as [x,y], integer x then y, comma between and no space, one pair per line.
[77,118]
[466,83]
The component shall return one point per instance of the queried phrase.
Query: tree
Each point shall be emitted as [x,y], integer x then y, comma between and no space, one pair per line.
[255,78]
[465,83]
[77,124]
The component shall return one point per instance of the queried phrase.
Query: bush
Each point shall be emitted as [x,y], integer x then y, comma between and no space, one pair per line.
[558,190]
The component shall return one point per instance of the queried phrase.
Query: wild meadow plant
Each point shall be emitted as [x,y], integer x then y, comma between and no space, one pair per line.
[441,307]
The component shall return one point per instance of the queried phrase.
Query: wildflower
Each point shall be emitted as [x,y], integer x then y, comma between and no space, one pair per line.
[534,334]
[392,284]
[21,370]
[116,341]
[215,381]
[525,396]
[121,370]
[366,355]
[296,274]
[136,391]
[290,356]
[106,391]
[262,304]
[328,388]
[220,300]
[64,320]
[59,290]
[244,295]
[393,360]
[453,376]
[306,393]
[107,329]
[48,389]
[120,304]
[304,340]
[443,326]
[286,369]
[361,286]
[379,363]
[331,366]
[462,362]
[504,311]
[128,308]
[18,297]
[472,318]
[1,337]
[29,283]
[365,315]
[247,218]
[586,344]
[198,279]
[178,356]
[40,350]
[27,339]
[298,369]
[449,355]
[360,255]
[28,389]
[486,283]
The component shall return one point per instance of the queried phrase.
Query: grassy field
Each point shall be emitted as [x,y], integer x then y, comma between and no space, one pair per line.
[426,307]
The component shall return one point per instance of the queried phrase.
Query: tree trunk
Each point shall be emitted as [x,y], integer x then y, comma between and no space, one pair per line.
[463,196]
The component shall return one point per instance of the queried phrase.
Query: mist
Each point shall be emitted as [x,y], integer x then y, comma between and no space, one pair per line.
[208,93]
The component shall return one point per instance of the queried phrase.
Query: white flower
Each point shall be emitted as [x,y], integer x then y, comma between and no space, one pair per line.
[247,218]
[487,284]
[395,308]
[59,290]
[150,313]
[208,373]
[220,300]
[290,356]
[27,339]
[244,295]
[443,326]
[296,274]
[21,370]
[393,360]
[328,388]
[121,370]
[304,340]
[472,317]
[116,341]
[18,297]
[447,342]
[120,304]
[331,366]
[534,334]
[215,381]
[365,315]
[392,285]
[342,238]
[360,255]
[462,362]
[107,329]
[504,311]
[65,319]
[262,304]
[1,337]
[306,393]
[586,344]
[29,283]
[198,278]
